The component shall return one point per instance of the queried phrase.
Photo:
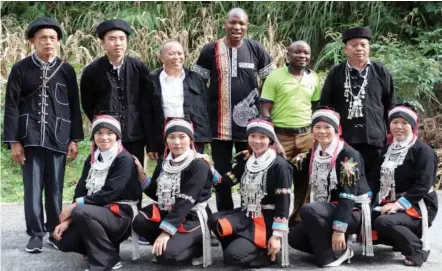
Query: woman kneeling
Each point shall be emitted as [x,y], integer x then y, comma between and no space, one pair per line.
[100,217]
[408,202]
[251,236]
[176,224]
[337,181]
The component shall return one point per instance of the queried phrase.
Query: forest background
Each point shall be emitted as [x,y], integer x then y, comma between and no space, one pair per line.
[407,39]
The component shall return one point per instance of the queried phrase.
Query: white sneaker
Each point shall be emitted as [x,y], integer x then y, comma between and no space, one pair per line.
[348,254]
[197,261]
[116,266]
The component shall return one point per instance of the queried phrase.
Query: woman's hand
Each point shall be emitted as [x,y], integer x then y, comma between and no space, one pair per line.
[389,208]
[66,212]
[274,246]
[160,243]
[60,229]
[338,241]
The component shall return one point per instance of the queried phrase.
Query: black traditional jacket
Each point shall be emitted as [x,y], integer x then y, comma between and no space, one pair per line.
[42,115]
[103,89]
[380,97]
[121,184]
[195,187]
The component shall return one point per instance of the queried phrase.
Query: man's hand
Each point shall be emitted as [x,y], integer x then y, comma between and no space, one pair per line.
[72,151]
[152,155]
[18,153]
[280,149]
[338,241]
[160,244]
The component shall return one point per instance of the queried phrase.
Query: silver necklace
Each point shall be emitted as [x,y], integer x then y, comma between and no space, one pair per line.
[355,108]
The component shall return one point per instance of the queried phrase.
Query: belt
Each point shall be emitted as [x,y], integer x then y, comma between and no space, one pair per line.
[293,131]
[203,217]
[135,247]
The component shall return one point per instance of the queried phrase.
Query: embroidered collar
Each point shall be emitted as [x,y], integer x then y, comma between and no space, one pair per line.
[361,71]
[41,63]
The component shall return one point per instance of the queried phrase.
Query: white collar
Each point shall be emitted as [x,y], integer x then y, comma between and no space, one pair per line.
[42,62]
[119,66]
[108,156]
[330,148]
[180,158]
[404,142]
[165,76]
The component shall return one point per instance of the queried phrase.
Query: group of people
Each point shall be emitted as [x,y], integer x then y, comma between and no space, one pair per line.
[350,151]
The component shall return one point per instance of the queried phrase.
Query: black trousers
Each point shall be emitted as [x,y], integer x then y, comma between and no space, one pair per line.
[181,247]
[313,234]
[401,231]
[372,162]
[136,148]
[222,156]
[96,232]
[239,251]
[43,168]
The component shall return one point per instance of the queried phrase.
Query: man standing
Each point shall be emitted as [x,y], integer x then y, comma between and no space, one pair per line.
[289,95]
[362,92]
[42,124]
[114,84]
[232,64]
[175,92]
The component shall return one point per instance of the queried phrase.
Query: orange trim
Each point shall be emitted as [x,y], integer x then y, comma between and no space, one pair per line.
[374,235]
[413,213]
[156,217]
[226,227]
[181,229]
[260,232]
[114,208]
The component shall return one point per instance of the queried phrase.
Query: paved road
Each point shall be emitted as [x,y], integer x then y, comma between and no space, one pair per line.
[14,257]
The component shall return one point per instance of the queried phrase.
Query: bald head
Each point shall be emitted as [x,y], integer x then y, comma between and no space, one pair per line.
[297,44]
[299,54]
[168,44]
[237,12]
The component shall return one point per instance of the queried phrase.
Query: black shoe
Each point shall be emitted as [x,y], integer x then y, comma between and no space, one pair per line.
[213,240]
[34,245]
[53,242]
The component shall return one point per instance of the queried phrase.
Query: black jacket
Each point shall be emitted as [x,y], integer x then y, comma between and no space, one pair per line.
[195,109]
[121,183]
[103,90]
[49,117]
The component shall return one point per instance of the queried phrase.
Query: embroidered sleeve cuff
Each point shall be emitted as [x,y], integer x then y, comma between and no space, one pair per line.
[216,176]
[278,233]
[339,226]
[399,205]
[282,191]
[280,224]
[80,201]
[232,177]
[146,183]
[404,202]
[167,227]
[347,196]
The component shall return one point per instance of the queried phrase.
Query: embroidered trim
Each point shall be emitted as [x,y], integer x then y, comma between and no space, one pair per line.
[80,201]
[349,172]
[347,196]
[404,202]
[277,226]
[232,177]
[339,226]
[245,65]
[234,62]
[224,100]
[184,196]
[146,183]
[282,191]
[167,227]
[264,72]
[204,73]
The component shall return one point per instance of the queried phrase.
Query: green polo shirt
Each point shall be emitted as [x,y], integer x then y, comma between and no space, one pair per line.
[290,97]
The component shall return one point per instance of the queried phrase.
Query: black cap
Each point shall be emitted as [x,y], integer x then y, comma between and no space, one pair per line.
[44,22]
[114,24]
[356,33]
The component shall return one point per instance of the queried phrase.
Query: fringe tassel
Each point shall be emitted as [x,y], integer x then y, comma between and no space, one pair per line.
[203,218]
[424,212]
[285,250]
[366,234]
